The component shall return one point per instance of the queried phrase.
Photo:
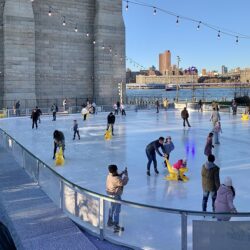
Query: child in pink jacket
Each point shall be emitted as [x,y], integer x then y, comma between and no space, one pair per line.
[178,165]
[224,200]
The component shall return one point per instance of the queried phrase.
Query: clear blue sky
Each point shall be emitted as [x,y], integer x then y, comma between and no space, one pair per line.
[148,35]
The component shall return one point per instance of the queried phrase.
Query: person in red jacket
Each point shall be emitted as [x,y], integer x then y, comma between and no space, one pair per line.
[178,165]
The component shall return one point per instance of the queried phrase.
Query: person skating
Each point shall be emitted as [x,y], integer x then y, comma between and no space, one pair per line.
[150,152]
[34,117]
[217,130]
[54,110]
[168,146]
[215,116]
[39,111]
[185,116]
[209,145]
[115,109]
[157,104]
[114,187]
[123,109]
[84,113]
[224,200]
[76,130]
[182,163]
[17,108]
[111,122]
[210,181]
[200,106]
[234,107]
[59,141]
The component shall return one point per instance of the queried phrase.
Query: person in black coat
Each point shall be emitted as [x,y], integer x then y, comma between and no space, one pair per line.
[59,141]
[150,152]
[34,117]
[185,116]
[111,122]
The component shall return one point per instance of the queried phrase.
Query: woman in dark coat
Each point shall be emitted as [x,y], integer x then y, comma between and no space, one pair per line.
[209,145]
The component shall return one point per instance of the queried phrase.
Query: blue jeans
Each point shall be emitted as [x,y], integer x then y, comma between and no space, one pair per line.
[205,199]
[115,209]
[151,158]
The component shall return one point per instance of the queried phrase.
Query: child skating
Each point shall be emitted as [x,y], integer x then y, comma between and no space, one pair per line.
[76,130]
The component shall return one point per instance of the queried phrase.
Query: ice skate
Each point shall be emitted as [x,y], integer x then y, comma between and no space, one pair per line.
[118,229]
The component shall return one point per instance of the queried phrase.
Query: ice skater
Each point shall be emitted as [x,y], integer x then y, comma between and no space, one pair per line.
[76,130]
[200,106]
[215,116]
[114,187]
[185,116]
[234,107]
[217,130]
[182,163]
[84,113]
[224,200]
[59,141]
[150,152]
[34,117]
[123,109]
[210,181]
[39,111]
[111,122]
[168,146]
[157,104]
[209,145]
[54,110]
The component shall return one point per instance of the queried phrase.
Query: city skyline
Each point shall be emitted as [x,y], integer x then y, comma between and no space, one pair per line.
[201,48]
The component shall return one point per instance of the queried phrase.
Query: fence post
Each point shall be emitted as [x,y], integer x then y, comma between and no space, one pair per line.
[183,231]
[61,194]
[102,218]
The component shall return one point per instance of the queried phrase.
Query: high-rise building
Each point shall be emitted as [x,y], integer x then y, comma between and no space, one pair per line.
[165,62]
[203,72]
[224,69]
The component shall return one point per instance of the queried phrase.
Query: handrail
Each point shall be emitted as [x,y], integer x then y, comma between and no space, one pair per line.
[126,202]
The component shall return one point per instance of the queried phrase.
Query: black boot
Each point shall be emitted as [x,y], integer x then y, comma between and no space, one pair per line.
[110,222]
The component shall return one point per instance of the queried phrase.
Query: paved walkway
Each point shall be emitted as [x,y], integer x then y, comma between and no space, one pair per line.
[31,217]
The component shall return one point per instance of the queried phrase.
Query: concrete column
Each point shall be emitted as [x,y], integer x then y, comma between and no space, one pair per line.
[19,51]
[109,68]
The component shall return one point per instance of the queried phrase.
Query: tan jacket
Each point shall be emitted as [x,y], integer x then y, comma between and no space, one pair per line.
[114,184]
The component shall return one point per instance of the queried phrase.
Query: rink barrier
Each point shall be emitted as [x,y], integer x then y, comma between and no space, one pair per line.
[89,208]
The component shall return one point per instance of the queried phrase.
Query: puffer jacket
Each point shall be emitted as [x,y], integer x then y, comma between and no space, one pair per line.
[178,164]
[224,202]
[210,177]
[115,184]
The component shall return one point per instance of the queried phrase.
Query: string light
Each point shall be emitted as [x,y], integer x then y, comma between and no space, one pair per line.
[94,42]
[127,6]
[76,29]
[110,49]
[199,25]
[64,22]
[103,47]
[218,34]
[87,34]
[154,11]
[177,20]
[50,13]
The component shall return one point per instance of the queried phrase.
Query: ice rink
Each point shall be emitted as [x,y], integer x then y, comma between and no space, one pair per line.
[87,159]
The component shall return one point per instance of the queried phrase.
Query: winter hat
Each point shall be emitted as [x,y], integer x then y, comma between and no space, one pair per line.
[228,182]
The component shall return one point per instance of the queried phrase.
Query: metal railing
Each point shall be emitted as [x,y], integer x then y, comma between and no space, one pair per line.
[153,224]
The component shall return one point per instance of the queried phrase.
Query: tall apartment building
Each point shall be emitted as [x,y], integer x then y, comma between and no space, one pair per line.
[224,69]
[165,63]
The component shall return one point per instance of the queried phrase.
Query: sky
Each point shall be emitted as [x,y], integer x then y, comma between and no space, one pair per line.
[147,35]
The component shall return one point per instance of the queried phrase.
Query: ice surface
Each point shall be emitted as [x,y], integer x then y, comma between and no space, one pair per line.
[87,160]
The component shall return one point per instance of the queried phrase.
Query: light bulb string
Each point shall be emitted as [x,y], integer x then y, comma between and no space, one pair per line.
[198,22]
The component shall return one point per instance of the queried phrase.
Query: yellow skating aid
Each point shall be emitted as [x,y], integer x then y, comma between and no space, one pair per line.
[108,135]
[59,157]
[173,174]
[245,117]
